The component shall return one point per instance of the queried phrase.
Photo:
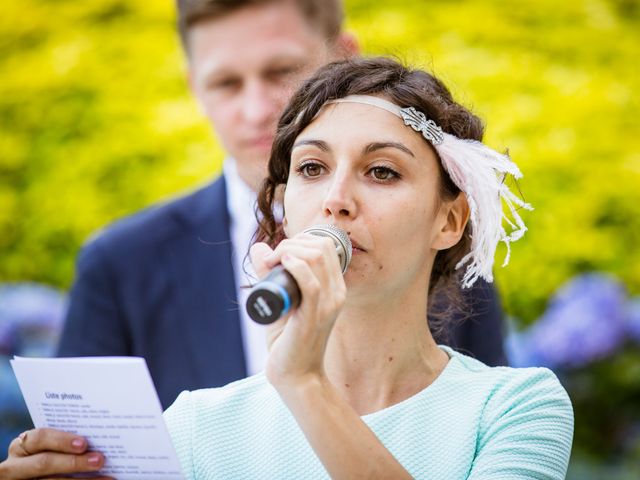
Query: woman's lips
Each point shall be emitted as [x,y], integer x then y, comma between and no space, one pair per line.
[356,247]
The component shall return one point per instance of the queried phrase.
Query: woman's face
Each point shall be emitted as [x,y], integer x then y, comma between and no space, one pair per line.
[360,168]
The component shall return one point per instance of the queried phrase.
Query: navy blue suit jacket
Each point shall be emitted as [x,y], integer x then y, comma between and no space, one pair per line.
[160,284]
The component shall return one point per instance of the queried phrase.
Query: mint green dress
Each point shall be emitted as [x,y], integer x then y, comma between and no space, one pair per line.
[473,422]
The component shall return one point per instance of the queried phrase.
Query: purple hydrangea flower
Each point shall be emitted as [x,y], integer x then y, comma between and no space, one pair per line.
[633,319]
[519,352]
[31,317]
[585,321]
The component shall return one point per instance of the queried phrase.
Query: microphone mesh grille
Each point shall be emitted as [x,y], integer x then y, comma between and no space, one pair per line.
[339,237]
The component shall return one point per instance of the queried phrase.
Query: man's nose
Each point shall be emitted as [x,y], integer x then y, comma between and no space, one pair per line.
[340,199]
[260,104]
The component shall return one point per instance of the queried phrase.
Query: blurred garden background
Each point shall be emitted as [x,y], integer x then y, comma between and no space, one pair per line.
[96,122]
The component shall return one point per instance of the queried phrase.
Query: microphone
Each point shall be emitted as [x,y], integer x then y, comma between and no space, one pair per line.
[277,293]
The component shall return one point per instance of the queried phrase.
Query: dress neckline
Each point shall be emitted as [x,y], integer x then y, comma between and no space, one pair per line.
[428,390]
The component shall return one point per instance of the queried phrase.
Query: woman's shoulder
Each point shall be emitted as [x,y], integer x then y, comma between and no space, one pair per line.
[525,422]
[240,392]
[507,382]
[208,405]
[522,398]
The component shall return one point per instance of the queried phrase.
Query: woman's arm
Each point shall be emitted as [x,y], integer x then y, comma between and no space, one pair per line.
[526,429]
[344,444]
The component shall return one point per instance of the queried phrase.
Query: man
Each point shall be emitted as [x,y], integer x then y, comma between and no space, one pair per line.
[166,283]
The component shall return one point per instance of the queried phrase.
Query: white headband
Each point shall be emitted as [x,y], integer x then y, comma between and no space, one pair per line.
[479,172]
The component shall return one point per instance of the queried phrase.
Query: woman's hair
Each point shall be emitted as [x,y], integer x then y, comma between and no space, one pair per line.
[404,87]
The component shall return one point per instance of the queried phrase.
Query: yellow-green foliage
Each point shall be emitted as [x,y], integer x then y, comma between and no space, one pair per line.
[96,122]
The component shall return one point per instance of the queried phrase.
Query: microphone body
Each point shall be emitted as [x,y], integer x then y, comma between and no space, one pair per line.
[278,292]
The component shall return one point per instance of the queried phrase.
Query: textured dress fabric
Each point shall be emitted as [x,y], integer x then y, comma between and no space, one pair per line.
[473,422]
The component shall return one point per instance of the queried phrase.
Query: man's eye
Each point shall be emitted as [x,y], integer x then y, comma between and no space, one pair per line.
[223,84]
[282,72]
[383,173]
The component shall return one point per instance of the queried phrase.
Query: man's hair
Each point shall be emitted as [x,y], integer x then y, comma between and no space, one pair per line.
[326,16]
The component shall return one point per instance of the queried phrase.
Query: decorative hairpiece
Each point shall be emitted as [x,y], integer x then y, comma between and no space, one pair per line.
[418,121]
[479,172]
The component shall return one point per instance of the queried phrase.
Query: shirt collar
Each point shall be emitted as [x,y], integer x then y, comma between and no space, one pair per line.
[241,198]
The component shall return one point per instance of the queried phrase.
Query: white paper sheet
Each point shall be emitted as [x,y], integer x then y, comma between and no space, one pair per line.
[112,402]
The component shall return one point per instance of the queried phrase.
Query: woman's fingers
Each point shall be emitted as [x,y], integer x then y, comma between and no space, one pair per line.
[318,252]
[45,464]
[44,452]
[314,264]
[58,477]
[46,439]
[51,463]
[304,275]
[323,291]
[259,253]
[304,245]
[315,250]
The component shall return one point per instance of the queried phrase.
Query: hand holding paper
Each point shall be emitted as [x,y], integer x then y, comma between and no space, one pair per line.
[46,453]
[111,402]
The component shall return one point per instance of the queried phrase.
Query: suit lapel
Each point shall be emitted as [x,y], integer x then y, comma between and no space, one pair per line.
[203,265]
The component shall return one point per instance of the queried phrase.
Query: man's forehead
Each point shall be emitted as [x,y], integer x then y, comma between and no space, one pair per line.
[249,23]
[253,37]
[228,64]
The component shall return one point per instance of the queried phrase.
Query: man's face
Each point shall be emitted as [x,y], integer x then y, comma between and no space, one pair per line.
[243,68]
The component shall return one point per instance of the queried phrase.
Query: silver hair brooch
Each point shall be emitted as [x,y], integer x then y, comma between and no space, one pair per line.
[418,121]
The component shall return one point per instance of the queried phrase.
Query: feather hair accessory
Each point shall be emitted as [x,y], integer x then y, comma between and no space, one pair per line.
[479,172]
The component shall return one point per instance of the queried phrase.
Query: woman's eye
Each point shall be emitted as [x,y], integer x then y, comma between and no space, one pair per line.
[383,173]
[310,169]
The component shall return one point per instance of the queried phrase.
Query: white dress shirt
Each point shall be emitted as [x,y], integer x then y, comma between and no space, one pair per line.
[242,225]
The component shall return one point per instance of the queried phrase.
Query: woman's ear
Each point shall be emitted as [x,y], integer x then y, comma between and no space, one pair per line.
[454,215]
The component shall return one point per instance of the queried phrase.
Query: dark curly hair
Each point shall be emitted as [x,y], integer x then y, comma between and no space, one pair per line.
[405,87]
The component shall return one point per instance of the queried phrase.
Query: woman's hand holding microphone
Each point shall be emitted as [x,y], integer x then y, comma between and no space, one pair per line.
[298,340]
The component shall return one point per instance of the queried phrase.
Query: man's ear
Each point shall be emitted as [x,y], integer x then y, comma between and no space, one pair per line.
[456,215]
[190,74]
[346,46]
[191,82]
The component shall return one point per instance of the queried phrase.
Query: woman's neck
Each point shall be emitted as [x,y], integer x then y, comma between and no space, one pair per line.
[380,354]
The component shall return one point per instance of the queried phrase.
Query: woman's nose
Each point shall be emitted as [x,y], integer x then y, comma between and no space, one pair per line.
[340,200]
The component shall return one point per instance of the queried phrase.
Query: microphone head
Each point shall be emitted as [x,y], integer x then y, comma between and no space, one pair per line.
[339,237]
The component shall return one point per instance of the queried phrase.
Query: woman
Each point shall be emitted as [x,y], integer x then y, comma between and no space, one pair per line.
[355,386]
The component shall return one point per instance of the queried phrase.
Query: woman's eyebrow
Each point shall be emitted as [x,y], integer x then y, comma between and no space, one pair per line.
[324,146]
[372,147]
